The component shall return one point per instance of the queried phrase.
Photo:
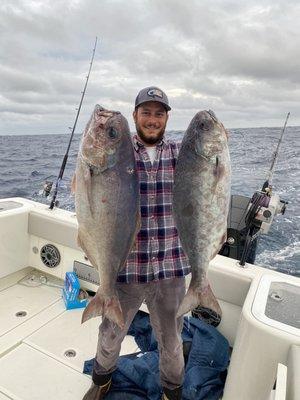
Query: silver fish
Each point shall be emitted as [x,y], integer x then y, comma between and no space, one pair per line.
[201,203]
[107,205]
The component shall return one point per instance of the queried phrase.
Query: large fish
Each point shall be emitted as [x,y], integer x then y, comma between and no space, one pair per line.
[201,202]
[107,205]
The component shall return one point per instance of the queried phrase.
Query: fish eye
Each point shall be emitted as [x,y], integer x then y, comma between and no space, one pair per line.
[205,126]
[112,133]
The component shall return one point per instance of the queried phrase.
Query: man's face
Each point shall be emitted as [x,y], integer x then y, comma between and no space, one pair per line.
[150,120]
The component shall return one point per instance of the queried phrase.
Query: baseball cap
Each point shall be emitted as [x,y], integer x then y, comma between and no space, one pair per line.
[152,93]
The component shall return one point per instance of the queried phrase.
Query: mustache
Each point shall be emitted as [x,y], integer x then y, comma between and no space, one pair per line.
[150,140]
[153,126]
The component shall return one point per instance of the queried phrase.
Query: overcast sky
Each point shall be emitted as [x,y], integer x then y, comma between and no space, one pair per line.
[238,58]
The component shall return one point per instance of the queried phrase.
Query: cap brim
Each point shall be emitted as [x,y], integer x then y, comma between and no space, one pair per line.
[167,107]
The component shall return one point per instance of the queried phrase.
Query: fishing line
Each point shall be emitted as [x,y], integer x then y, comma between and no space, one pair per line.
[62,168]
[268,182]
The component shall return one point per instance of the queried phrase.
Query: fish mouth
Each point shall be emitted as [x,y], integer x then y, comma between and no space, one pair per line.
[101,140]
[212,115]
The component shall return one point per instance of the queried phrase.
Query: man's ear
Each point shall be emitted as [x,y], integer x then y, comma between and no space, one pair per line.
[134,114]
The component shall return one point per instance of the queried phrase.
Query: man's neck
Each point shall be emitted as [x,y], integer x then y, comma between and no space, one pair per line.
[148,144]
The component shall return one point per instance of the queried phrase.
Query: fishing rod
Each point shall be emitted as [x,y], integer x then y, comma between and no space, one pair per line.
[250,217]
[62,168]
[268,182]
[264,206]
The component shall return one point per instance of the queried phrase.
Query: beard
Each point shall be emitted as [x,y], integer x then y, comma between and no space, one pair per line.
[150,140]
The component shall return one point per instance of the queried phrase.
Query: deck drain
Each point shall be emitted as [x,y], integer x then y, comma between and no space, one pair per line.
[70,353]
[276,296]
[21,314]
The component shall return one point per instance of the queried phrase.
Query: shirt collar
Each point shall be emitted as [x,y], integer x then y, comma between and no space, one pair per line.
[137,144]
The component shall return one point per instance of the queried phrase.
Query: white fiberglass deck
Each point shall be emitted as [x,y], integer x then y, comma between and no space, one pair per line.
[33,347]
[37,334]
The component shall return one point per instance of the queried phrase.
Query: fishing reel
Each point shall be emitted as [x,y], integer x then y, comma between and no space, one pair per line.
[263,208]
[47,188]
[248,218]
[46,191]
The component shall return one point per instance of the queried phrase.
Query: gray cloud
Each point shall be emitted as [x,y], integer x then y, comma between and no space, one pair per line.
[239,58]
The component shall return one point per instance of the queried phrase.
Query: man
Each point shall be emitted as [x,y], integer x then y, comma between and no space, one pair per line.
[156,267]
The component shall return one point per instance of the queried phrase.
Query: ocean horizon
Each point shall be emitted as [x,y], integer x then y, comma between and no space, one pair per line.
[27,161]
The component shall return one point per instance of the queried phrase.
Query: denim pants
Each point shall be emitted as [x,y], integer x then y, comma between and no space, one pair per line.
[163,299]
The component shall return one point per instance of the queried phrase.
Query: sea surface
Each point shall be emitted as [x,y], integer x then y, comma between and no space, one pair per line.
[26,162]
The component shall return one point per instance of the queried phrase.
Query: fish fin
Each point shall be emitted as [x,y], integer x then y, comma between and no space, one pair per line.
[108,307]
[189,302]
[113,311]
[203,297]
[88,185]
[218,173]
[219,169]
[73,184]
[93,309]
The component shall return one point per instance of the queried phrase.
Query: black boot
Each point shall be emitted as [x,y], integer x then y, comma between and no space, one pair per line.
[100,387]
[174,394]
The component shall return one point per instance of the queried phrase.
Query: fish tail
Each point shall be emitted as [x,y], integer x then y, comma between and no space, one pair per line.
[189,302]
[194,298]
[108,307]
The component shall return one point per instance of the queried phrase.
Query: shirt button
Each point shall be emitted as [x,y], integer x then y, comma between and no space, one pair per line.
[151,216]
[153,258]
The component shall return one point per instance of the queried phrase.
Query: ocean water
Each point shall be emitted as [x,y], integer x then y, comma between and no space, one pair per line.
[27,161]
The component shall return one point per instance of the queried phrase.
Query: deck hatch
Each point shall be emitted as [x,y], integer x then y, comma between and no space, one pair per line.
[283,303]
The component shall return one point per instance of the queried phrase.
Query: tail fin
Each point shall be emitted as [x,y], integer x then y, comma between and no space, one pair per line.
[195,297]
[108,307]
[189,302]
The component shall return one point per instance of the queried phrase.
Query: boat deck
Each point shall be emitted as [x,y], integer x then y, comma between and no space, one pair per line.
[43,346]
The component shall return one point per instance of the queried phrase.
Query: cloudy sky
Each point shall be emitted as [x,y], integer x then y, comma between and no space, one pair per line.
[238,58]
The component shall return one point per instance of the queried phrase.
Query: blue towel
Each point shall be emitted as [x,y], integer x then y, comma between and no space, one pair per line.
[137,375]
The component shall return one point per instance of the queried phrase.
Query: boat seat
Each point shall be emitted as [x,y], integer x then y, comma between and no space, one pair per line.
[293,381]
[50,228]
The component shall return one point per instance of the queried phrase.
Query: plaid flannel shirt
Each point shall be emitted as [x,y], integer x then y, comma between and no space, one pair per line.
[157,253]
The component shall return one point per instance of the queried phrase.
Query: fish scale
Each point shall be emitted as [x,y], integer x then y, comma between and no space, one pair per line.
[201,202]
[107,205]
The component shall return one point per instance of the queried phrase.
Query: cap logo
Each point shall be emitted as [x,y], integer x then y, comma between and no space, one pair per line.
[155,92]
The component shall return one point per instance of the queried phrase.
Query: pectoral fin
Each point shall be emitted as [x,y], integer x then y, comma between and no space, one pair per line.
[87,178]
